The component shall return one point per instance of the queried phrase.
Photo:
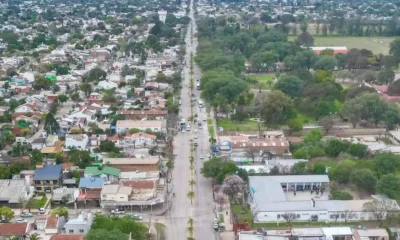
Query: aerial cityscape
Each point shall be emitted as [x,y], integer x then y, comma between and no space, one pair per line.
[199,119]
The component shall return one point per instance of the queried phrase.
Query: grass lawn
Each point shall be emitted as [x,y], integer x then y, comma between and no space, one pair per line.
[211,130]
[305,118]
[247,125]
[38,203]
[375,44]
[262,78]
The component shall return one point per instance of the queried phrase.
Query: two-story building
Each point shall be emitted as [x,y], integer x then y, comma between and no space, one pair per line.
[77,141]
[90,189]
[140,139]
[47,178]
[123,126]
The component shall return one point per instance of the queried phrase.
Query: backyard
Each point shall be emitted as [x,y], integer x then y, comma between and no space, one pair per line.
[247,125]
[39,201]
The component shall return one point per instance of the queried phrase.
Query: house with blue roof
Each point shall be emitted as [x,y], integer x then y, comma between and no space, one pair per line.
[90,190]
[47,178]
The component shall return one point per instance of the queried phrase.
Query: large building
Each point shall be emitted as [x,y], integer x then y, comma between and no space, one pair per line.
[307,197]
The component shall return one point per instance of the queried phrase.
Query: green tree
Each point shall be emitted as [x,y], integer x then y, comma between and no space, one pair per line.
[337,195]
[341,172]
[276,109]
[358,150]
[41,83]
[126,225]
[217,168]
[326,63]
[34,236]
[290,85]
[6,213]
[51,125]
[295,125]
[334,147]
[385,163]
[395,48]
[191,196]
[60,211]
[313,136]
[99,234]
[386,77]
[35,157]
[62,98]
[305,39]
[389,185]
[96,74]
[4,172]
[364,179]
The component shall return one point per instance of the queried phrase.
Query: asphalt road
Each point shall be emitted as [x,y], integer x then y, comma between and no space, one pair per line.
[202,209]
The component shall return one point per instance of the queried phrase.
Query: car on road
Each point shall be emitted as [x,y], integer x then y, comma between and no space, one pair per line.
[137,217]
[195,136]
[117,212]
[201,156]
[216,226]
[183,130]
[20,220]
[196,144]
[42,210]
[204,119]
[26,215]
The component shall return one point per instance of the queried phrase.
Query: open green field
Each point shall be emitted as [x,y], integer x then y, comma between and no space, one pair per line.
[247,125]
[265,78]
[375,44]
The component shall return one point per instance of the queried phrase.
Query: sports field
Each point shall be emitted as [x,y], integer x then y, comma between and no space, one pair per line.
[375,44]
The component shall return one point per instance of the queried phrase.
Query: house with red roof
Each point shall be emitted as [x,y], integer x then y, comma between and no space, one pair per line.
[19,230]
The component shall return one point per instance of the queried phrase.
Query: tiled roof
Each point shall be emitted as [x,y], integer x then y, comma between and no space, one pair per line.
[91,182]
[51,222]
[139,184]
[66,237]
[13,229]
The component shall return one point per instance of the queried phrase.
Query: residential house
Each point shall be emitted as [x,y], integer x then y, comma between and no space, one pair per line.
[83,113]
[50,224]
[154,125]
[27,107]
[371,234]
[106,172]
[90,189]
[38,143]
[19,230]
[47,178]
[144,164]
[79,225]
[116,193]
[140,139]
[78,141]
[11,190]
[96,139]
[142,190]
[143,114]
[65,195]
[105,84]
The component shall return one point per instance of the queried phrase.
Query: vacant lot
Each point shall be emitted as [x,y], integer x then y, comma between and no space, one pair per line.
[247,125]
[375,44]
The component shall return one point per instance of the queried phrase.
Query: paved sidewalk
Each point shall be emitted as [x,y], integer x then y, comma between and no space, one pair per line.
[228,233]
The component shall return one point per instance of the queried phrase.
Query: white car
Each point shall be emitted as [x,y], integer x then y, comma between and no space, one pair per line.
[20,220]
[208,155]
[42,210]
[215,226]
[204,119]
[201,156]
[137,217]
[195,136]
[183,130]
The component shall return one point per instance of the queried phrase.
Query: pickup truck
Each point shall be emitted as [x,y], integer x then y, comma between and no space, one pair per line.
[117,212]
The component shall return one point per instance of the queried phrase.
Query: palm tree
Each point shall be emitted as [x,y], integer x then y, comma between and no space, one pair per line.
[22,201]
[34,236]
[190,229]
[190,221]
[191,195]
[13,238]
[192,182]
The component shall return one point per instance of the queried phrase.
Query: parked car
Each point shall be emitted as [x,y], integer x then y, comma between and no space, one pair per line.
[20,220]
[117,211]
[216,226]
[201,156]
[137,217]
[204,119]
[42,210]
[26,215]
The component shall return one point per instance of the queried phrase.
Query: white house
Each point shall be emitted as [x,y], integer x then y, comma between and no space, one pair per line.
[116,192]
[78,141]
[79,225]
[271,197]
[140,138]
[154,125]
[105,84]
[83,113]
[162,15]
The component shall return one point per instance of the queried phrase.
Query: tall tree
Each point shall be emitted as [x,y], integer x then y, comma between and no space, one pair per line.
[276,109]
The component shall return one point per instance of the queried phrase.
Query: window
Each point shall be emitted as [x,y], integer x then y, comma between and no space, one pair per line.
[81,231]
[71,231]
